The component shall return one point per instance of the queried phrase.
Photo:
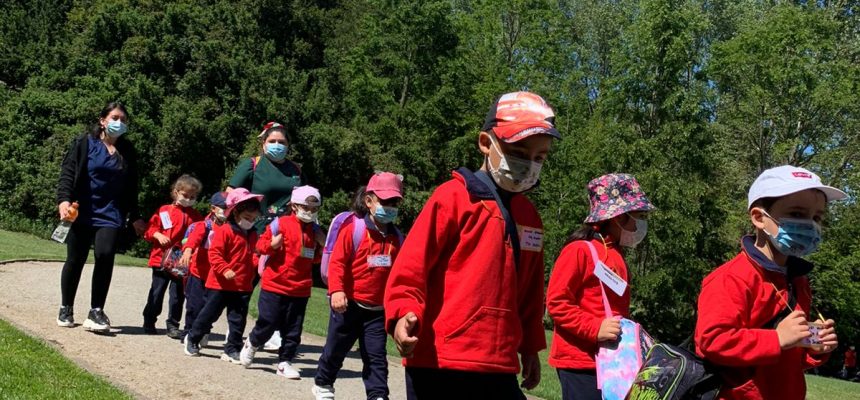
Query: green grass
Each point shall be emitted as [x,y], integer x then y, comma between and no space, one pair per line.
[818,388]
[14,245]
[32,370]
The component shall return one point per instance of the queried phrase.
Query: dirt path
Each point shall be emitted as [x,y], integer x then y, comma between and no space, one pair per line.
[154,367]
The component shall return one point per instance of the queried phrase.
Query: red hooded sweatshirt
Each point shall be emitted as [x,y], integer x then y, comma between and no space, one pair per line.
[476,307]
[180,219]
[288,270]
[200,235]
[351,271]
[575,303]
[735,327]
[232,248]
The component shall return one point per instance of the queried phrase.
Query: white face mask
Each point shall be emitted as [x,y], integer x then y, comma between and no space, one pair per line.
[514,174]
[245,224]
[306,216]
[186,202]
[632,239]
[219,215]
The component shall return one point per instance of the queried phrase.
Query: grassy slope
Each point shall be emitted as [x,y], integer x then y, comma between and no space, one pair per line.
[15,245]
[32,370]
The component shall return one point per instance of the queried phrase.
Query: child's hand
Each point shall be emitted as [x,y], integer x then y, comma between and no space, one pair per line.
[610,328]
[792,330]
[403,335]
[162,240]
[229,274]
[531,371]
[338,302]
[277,241]
[827,336]
[185,259]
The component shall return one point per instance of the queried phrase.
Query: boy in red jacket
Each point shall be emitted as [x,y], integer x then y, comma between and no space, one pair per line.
[466,293]
[195,255]
[753,310]
[231,254]
[356,281]
[167,229]
[287,280]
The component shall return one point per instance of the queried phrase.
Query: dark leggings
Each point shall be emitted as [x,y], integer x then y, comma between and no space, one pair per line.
[78,243]
[579,384]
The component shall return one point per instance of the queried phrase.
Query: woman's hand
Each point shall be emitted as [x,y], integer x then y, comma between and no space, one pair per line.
[64,210]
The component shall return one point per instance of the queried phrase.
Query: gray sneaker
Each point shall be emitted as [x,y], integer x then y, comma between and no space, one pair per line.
[97,321]
[191,349]
[232,357]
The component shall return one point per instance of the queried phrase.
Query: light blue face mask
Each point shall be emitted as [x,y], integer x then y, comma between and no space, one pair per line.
[116,128]
[384,215]
[276,151]
[796,237]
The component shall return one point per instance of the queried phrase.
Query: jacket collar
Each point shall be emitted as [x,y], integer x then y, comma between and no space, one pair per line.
[794,266]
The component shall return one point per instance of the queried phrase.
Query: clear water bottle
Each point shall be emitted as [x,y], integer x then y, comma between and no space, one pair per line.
[65,225]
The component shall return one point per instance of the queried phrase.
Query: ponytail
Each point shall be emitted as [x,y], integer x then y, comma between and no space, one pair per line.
[586,232]
[358,206]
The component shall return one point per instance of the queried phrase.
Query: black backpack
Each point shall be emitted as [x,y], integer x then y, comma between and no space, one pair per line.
[674,373]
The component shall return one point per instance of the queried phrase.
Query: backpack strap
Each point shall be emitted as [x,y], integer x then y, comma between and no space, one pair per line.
[359,227]
[510,225]
[594,259]
[254,162]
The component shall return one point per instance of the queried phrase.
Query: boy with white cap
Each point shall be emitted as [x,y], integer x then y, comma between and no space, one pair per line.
[286,282]
[753,310]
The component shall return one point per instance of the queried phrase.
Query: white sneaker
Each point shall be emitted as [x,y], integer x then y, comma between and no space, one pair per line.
[323,392]
[246,357]
[285,369]
[274,342]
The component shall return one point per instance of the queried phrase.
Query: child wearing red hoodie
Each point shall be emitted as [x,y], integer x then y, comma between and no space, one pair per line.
[291,247]
[753,311]
[195,255]
[466,292]
[575,295]
[356,283]
[167,229]
[229,283]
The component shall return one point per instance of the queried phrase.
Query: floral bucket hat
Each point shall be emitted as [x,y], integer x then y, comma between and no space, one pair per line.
[614,194]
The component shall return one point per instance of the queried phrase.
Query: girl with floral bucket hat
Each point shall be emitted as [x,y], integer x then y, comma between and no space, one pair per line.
[587,294]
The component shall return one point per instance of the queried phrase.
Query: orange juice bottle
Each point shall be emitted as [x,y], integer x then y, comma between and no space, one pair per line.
[65,225]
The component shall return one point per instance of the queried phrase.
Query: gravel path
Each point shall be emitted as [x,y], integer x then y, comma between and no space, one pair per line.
[154,366]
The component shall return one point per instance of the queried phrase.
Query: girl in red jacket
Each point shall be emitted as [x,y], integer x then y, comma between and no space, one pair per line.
[754,311]
[229,284]
[167,229]
[575,294]
[286,282]
[356,284]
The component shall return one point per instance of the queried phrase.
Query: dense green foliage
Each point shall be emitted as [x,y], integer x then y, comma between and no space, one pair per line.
[694,97]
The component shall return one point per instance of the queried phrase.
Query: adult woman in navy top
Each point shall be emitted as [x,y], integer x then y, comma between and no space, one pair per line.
[99,172]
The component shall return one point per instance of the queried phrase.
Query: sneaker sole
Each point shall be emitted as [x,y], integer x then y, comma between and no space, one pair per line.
[65,324]
[295,378]
[227,358]
[92,326]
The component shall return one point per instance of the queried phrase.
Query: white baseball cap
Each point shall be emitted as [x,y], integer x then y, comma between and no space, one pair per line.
[306,196]
[787,179]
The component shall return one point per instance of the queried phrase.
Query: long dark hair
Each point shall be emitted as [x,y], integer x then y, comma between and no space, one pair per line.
[358,206]
[587,232]
[97,128]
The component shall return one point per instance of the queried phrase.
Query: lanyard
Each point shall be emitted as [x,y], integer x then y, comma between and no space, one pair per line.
[384,241]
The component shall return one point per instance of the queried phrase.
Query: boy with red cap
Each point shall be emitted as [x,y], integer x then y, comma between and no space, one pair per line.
[291,247]
[356,282]
[466,293]
[231,254]
[753,310]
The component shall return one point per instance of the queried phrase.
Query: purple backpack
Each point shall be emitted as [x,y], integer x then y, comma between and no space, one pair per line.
[358,229]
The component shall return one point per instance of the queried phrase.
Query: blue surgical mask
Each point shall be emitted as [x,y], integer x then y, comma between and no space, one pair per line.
[276,151]
[796,237]
[116,128]
[384,215]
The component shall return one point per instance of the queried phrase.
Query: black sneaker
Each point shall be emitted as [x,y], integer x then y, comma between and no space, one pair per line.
[232,357]
[97,321]
[66,318]
[191,349]
[174,333]
[149,328]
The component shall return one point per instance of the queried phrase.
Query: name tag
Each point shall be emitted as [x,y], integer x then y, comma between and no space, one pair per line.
[307,252]
[379,261]
[166,223]
[531,239]
[209,238]
[610,278]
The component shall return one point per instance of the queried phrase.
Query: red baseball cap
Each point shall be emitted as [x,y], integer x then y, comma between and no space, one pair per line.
[518,115]
[386,185]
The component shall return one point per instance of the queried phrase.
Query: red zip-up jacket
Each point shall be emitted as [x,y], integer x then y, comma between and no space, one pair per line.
[199,238]
[232,248]
[737,301]
[476,307]
[575,303]
[352,273]
[288,271]
[180,218]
